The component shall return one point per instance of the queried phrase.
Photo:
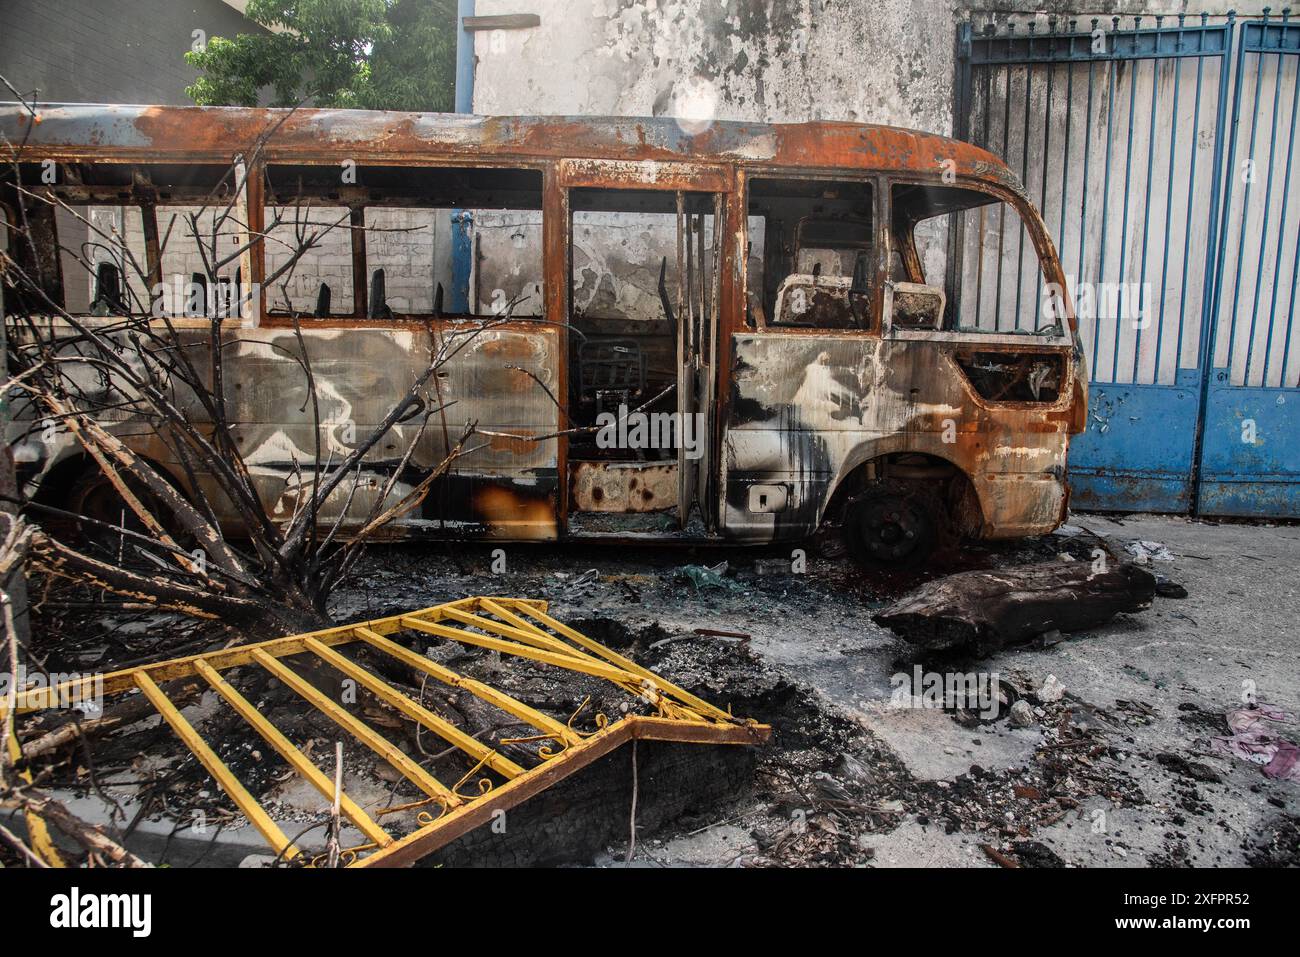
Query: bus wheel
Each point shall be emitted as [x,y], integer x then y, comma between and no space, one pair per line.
[828,543]
[94,497]
[893,524]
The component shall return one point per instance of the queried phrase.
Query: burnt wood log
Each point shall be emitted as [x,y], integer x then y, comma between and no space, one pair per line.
[983,611]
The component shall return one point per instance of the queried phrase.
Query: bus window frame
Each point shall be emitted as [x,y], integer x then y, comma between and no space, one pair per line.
[142,195]
[822,174]
[1037,234]
[358,319]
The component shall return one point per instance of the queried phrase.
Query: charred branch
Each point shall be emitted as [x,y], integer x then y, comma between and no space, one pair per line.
[982,611]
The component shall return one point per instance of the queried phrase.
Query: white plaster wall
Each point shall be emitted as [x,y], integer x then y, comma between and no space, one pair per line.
[871,61]
[770,60]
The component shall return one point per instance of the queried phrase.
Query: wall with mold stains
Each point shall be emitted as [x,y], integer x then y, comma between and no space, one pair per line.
[780,61]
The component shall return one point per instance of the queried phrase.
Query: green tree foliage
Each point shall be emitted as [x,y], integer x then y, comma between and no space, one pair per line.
[362,54]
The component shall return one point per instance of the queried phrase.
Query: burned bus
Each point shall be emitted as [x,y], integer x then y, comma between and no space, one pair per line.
[747,334]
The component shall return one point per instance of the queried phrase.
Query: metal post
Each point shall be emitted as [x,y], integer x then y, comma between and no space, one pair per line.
[1215,249]
[1281,234]
[462,220]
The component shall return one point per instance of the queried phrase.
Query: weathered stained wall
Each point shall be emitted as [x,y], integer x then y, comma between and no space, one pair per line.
[781,61]
[883,61]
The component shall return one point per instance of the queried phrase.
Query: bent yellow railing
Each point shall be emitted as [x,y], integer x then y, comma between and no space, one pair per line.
[508,626]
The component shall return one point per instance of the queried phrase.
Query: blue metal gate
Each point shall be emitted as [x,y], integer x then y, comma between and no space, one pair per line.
[1180,268]
[1250,455]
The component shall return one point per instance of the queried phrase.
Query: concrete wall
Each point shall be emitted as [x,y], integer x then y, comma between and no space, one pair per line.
[889,61]
[783,61]
[108,51]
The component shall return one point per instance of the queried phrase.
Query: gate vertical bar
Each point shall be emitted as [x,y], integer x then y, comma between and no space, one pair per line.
[1169,202]
[1121,299]
[1248,461]
[1277,261]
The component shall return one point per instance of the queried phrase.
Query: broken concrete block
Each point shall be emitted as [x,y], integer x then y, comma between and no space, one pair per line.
[1051,690]
[1022,714]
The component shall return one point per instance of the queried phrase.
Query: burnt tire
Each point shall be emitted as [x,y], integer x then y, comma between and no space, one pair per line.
[894,525]
[94,497]
[828,543]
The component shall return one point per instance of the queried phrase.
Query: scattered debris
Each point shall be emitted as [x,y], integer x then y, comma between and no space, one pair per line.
[703,576]
[1144,552]
[726,636]
[1252,740]
[772,566]
[1049,638]
[1168,588]
[576,585]
[1036,854]
[1135,713]
[1188,769]
[831,791]
[1022,714]
[982,611]
[998,857]
[1277,843]
[1051,689]
[1023,854]
[715,633]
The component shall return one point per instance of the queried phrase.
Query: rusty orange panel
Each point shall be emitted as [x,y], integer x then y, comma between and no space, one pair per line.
[214,134]
[642,174]
[623,487]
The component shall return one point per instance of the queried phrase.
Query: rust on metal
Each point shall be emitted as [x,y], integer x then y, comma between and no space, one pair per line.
[623,487]
[653,709]
[211,134]
[815,409]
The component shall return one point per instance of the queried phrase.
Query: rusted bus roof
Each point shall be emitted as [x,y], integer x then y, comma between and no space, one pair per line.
[215,133]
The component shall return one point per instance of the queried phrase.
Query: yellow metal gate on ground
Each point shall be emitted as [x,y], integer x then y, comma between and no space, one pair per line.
[508,626]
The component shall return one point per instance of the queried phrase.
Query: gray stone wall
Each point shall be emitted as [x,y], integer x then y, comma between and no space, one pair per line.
[108,51]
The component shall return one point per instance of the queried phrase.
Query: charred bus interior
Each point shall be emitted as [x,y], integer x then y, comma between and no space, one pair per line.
[396,243]
[643,300]
[812,253]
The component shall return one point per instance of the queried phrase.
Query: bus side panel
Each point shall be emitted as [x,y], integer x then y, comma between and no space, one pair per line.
[506,485]
[806,410]
[502,484]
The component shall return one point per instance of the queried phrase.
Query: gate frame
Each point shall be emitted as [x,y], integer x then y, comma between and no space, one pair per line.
[1261,36]
[1135,44]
